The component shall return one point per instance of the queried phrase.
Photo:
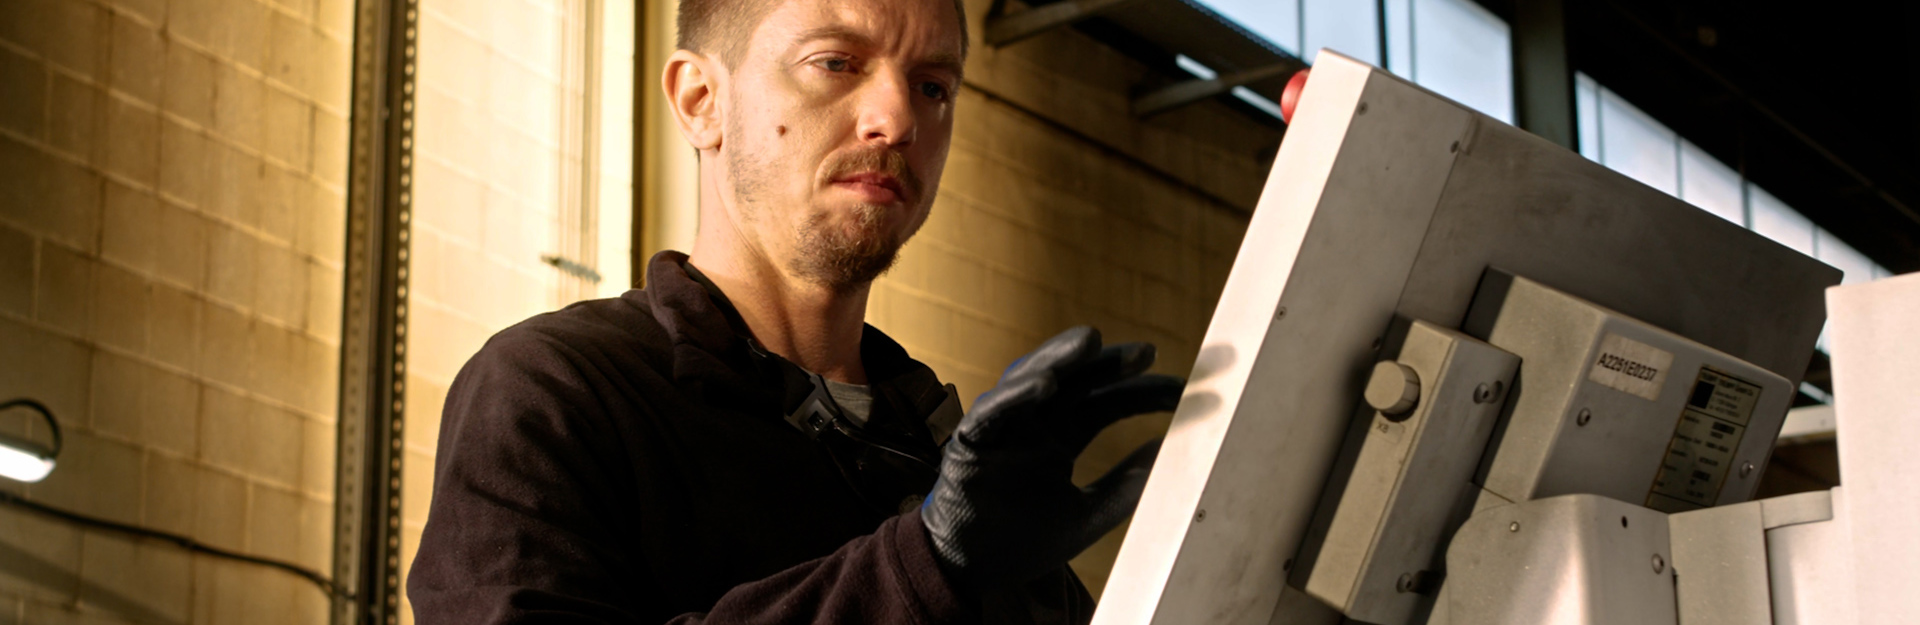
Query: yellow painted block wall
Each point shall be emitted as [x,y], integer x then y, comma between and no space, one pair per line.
[171,237]
[1060,208]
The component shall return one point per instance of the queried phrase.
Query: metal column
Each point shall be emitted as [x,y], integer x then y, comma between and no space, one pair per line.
[373,344]
[1542,77]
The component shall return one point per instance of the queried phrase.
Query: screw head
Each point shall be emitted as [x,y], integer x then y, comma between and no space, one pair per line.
[1482,394]
[1746,469]
[1280,312]
[1659,564]
[1585,416]
[1405,584]
[1200,516]
[1513,527]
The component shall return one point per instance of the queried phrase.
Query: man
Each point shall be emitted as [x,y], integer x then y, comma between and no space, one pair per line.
[732,443]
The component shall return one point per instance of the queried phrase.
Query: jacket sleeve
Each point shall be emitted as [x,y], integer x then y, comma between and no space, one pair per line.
[518,528]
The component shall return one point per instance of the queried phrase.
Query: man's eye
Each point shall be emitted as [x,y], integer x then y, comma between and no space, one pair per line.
[933,90]
[836,65]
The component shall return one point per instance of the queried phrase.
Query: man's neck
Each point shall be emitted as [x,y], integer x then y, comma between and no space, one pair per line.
[815,327]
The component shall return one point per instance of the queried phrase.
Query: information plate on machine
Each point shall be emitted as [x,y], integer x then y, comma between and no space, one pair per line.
[1717,412]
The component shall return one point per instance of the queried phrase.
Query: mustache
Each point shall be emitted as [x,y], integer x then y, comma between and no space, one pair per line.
[880,160]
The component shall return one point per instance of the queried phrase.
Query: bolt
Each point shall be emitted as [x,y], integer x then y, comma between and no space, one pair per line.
[1482,394]
[1200,516]
[1406,583]
[1746,469]
[1659,564]
[1585,416]
[1383,427]
[1280,312]
[1362,110]
[1513,527]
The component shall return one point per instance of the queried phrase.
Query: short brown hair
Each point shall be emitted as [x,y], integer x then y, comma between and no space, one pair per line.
[728,24]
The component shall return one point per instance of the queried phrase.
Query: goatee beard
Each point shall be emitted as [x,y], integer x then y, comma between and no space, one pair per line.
[845,258]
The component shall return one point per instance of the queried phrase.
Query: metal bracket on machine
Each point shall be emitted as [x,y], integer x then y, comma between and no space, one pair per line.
[1375,549]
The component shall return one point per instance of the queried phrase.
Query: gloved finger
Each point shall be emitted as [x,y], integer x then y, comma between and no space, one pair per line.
[1114,362]
[1133,396]
[1113,497]
[1004,407]
[1076,344]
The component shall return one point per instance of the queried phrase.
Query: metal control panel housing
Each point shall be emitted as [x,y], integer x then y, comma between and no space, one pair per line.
[1608,405]
[1377,543]
[1388,200]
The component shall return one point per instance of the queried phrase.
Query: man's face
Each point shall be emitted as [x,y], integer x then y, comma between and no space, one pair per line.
[836,130]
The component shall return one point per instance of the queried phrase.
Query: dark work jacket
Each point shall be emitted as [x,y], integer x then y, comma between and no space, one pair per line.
[628,460]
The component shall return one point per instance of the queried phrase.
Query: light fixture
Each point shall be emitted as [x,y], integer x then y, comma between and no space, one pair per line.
[25,460]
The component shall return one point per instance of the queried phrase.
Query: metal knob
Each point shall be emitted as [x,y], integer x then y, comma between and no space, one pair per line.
[1394,389]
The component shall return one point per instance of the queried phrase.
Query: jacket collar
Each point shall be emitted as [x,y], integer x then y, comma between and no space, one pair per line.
[714,354]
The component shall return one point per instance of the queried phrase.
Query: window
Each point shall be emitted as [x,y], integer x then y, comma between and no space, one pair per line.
[1627,140]
[1777,221]
[1460,50]
[1276,20]
[1454,47]
[1347,27]
[1708,184]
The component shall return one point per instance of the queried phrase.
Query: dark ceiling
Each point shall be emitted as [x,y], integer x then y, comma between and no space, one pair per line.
[1819,104]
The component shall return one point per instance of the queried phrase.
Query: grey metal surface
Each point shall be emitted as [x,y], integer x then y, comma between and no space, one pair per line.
[1811,569]
[1631,427]
[1876,358]
[1399,210]
[1809,507]
[1720,565]
[372,402]
[1520,203]
[1280,371]
[1296,608]
[1378,542]
[1569,560]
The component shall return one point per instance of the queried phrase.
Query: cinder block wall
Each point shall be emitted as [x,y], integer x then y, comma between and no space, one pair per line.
[489,166]
[1060,208]
[171,234]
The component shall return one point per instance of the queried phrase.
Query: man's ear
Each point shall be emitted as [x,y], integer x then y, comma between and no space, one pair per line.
[692,84]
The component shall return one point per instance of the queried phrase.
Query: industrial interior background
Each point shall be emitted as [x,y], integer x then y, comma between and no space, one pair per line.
[182,286]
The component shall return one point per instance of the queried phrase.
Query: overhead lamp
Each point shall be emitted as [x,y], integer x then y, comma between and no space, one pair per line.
[25,460]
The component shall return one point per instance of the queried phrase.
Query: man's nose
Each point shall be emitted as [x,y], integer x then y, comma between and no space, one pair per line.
[886,112]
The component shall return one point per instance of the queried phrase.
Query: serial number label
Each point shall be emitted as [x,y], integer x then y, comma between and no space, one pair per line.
[1631,366]
[1716,415]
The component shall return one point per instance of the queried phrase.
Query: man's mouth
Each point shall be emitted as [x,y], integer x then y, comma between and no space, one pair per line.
[872,186]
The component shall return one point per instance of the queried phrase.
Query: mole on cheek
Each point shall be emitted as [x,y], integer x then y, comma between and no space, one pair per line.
[782,130]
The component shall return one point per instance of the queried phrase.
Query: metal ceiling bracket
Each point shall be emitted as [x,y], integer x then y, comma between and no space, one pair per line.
[1007,29]
[1181,94]
[372,398]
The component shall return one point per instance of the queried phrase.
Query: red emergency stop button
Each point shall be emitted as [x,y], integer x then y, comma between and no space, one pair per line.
[1290,97]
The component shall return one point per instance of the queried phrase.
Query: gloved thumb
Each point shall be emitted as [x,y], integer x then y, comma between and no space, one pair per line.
[1113,497]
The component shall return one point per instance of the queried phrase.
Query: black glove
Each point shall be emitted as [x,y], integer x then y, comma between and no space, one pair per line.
[1005,508]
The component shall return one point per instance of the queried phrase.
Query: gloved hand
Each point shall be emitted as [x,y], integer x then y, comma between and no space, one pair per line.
[1005,508]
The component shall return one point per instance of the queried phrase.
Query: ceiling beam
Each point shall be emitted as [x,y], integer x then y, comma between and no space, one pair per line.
[1010,28]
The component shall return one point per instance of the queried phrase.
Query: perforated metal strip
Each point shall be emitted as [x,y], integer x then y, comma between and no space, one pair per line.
[374,325]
